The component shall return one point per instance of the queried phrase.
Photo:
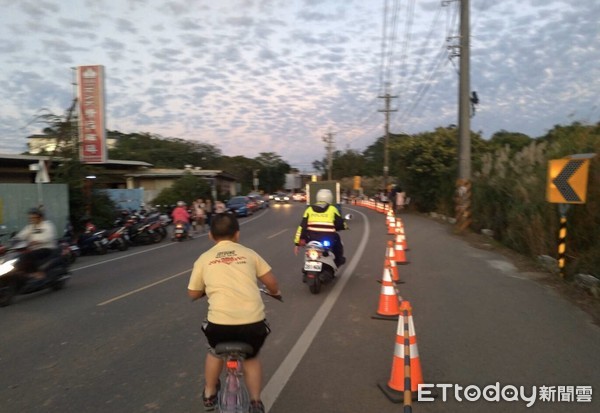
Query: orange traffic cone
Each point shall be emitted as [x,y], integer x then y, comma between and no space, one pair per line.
[390,260]
[391,224]
[388,301]
[400,230]
[405,370]
[399,254]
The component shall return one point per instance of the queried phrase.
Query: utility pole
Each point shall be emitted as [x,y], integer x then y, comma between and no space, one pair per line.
[328,139]
[386,141]
[463,183]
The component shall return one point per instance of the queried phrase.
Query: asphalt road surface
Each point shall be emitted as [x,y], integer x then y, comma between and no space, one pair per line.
[124,337]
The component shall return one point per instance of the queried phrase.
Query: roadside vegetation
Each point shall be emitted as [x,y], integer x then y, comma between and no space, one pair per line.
[508,186]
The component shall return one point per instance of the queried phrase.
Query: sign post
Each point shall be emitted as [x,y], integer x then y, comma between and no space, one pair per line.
[567,184]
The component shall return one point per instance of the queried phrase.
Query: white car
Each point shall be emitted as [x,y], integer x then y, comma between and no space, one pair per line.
[280,197]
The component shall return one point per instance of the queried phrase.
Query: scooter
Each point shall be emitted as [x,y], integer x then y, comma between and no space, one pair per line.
[319,265]
[180,232]
[13,281]
[116,238]
[93,243]
[69,248]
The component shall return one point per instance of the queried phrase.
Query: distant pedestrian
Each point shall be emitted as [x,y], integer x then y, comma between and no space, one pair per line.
[400,200]
[199,221]
[219,207]
[208,210]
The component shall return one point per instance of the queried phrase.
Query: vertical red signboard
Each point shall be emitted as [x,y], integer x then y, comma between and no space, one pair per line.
[92,129]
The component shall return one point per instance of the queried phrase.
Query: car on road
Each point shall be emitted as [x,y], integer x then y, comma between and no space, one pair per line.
[281,198]
[241,206]
[260,200]
[299,197]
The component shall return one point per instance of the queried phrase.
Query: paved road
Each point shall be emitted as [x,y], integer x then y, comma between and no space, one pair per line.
[124,338]
[478,322]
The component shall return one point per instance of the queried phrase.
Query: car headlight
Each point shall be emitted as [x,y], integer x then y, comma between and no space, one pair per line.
[7,267]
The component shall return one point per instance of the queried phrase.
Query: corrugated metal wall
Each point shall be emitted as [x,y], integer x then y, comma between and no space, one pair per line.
[131,199]
[17,199]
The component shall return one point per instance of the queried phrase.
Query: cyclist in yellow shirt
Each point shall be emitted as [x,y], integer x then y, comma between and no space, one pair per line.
[227,275]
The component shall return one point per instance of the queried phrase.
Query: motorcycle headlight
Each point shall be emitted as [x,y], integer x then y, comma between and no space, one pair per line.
[313,254]
[7,266]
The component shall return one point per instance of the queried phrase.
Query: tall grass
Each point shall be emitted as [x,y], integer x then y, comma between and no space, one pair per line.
[509,197]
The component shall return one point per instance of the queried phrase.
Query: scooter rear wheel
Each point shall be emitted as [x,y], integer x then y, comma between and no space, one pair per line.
[314,283]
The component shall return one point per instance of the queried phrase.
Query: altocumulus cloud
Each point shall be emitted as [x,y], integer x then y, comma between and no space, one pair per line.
[261,76]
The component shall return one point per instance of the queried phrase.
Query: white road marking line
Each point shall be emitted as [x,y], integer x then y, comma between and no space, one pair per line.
[149,285]
[279,233]
[289,364]
[112,300]
[152,249]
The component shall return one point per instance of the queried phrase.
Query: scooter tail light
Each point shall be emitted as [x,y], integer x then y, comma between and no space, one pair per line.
[313,254]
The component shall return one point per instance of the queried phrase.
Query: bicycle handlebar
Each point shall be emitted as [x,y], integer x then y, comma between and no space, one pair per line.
[266,292]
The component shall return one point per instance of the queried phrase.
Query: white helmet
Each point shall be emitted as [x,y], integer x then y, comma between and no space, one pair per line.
[325,196]
[180,203]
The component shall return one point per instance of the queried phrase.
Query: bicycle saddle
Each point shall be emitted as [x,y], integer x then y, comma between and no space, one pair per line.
[233,347]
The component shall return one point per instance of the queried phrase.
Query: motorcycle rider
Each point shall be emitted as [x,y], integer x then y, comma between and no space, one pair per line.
[40,235]
[322,220]
[180,213]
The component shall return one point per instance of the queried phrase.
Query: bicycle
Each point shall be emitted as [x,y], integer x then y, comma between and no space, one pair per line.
[234,398]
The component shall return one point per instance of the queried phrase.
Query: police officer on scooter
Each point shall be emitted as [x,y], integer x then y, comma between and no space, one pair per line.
[40,235]
[321,221]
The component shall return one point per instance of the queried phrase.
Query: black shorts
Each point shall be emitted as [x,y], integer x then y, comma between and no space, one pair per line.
[253,334]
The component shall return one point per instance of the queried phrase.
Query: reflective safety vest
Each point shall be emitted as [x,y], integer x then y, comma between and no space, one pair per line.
[321,221]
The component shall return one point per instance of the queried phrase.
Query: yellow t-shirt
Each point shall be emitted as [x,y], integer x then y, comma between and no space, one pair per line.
[227,273]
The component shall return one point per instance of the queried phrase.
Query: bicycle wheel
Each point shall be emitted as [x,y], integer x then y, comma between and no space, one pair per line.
[234,397]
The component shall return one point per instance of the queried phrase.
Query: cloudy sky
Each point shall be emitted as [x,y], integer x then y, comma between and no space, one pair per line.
[251,76]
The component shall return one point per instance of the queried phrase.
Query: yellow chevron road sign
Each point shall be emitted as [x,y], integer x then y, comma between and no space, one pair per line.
[567,180]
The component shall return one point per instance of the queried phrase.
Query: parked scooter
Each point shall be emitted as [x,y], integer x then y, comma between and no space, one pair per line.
[93,243]
[69,248]
[13,281]
[117,238]
[141,233]
[156,225]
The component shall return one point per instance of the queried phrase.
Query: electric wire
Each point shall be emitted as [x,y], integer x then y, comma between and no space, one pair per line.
[433,69]
[403,64]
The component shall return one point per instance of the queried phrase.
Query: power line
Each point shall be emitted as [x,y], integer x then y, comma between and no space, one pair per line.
[435,64]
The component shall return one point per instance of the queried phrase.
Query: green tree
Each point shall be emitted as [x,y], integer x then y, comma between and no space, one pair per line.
[348,164]
[84,198]
[163,152]
[61,128]
[187,189]
[242,168]
[514,140]
[272,171]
